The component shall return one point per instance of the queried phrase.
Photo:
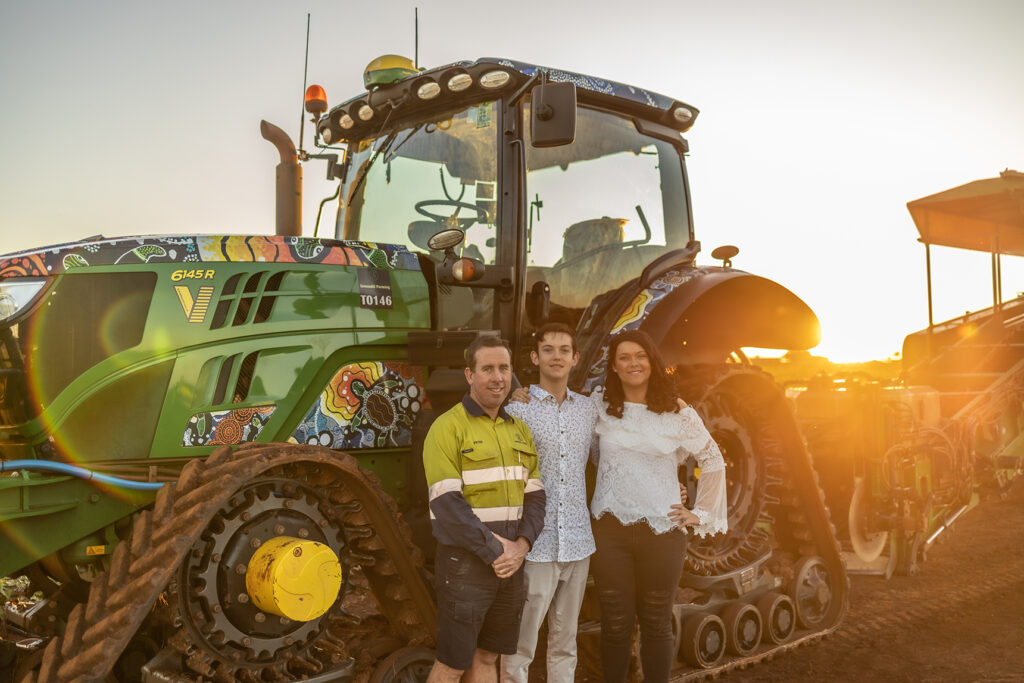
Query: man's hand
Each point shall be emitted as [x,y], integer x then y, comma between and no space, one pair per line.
[511,559]
[520,395]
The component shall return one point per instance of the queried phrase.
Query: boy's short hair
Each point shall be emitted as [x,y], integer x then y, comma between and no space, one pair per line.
[482,342]
[553,328]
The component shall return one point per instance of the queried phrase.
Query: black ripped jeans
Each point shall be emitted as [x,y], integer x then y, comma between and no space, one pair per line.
[636,572]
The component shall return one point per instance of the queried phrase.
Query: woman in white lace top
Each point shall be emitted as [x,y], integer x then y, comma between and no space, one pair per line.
[645,432]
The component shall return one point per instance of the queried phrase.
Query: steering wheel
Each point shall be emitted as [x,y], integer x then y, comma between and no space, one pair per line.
[452,221]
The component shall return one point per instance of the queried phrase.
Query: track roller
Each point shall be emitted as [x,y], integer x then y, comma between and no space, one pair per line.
[743,629]
[811,590]
[779,617]
[703,639]
[405,665]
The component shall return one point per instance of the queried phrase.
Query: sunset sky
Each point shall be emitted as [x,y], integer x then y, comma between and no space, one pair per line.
[819,121]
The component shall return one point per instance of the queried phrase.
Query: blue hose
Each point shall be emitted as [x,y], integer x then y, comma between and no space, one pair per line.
[80,472]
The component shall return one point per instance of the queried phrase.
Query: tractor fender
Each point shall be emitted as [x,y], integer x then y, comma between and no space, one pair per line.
[707,317]
[702,315]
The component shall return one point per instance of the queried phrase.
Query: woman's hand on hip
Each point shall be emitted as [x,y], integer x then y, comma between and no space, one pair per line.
[679,514]
[683,517]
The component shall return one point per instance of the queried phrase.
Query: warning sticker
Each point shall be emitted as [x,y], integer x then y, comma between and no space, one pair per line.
[374,288]
[484,114]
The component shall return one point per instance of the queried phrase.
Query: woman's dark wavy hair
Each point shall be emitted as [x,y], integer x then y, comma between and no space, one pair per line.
[661,390]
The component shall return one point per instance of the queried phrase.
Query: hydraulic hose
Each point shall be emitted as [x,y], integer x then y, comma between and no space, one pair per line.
[80,472]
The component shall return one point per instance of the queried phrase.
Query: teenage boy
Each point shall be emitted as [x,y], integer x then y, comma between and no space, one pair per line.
[562,423]
[486,510]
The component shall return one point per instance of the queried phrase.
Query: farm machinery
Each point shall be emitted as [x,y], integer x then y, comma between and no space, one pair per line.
[211,445]
[906,458]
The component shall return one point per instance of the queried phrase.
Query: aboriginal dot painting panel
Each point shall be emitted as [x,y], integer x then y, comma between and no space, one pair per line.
[365,405]
[635,314]
[226,427]
[601,85]
[206,249]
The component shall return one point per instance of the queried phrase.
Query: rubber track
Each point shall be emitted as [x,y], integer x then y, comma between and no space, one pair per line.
[802,503]
[99,630]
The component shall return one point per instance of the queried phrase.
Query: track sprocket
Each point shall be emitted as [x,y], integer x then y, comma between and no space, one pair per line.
[347,498]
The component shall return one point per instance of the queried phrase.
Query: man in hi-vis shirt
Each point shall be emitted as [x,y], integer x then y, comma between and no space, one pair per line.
[486,510]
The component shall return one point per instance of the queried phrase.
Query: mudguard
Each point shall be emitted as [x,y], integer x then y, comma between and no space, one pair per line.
[725,310]
[701,315]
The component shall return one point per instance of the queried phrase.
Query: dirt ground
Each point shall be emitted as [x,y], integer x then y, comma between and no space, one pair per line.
[961,618]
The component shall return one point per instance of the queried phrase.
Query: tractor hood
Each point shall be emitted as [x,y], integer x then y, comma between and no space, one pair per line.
[230,321]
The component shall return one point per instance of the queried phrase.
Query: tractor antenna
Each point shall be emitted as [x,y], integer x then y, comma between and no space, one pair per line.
[416,48]
[302,109]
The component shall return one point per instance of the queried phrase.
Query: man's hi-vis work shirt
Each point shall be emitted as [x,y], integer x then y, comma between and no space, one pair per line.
[482,477]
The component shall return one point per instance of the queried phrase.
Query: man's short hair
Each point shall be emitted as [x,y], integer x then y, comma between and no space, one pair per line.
[553,328]
[484,341]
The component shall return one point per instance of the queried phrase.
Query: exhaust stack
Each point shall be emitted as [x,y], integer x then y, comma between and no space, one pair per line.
[289,182]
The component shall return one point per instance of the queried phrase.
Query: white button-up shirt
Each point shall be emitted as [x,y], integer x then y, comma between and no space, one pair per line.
[562,434]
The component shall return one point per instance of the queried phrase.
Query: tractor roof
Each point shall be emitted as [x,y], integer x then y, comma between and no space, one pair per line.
[403,93]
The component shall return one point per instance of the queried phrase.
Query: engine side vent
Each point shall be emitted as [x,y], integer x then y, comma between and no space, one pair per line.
[226,299]
[223,378]
[245,374]
[253,304]
[267,302]
[243,381]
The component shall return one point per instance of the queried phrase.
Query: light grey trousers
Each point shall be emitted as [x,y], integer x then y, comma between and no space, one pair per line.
[554,590]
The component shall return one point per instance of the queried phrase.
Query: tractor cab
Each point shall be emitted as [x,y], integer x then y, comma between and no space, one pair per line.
[560,188]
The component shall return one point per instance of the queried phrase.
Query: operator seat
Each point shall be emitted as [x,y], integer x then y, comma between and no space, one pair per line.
[585,266]
[579,238]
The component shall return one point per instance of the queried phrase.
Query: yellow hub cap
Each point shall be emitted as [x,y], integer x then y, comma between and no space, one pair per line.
[293,578]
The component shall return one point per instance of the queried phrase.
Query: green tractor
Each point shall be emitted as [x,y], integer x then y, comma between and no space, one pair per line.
[211,445]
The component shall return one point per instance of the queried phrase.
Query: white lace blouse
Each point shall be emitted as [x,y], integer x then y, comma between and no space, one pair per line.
[636,472]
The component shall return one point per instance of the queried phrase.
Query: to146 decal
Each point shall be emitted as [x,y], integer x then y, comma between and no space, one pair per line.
[375,289]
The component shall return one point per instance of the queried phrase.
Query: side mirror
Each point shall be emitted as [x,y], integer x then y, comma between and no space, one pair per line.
[553,114]
[725,254]
[453,268]
[446,239]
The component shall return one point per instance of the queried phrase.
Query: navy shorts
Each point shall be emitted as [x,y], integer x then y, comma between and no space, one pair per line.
[475,609]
